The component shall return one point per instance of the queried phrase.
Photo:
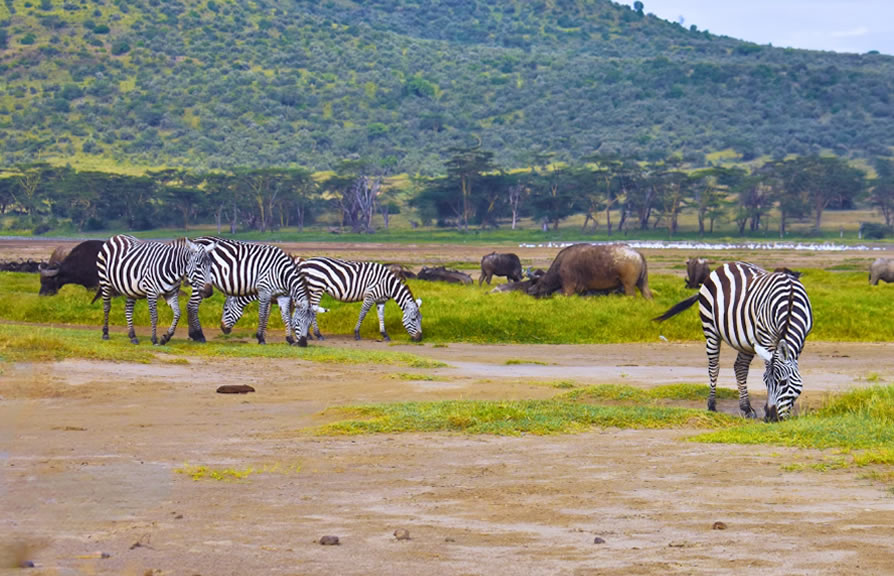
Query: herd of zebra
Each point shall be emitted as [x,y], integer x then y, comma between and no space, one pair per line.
[244,272]
[756,312]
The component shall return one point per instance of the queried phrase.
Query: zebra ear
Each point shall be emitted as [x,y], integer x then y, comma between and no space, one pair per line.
[418,302]
[763,352]
[209,248]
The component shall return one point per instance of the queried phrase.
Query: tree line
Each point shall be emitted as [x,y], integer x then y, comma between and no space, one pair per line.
[613,194]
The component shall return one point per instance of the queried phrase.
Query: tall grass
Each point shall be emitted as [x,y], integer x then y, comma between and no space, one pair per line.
[845,307]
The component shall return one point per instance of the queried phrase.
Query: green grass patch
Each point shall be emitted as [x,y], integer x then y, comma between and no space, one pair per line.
[512,418]
[623,392]
[859,423]
[416,377]
[233,474]
[21,343]
[514,362]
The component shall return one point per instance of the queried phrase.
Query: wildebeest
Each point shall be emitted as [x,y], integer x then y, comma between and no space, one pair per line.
[582,268]
[507,265]
[881,269]
[441,274]
[697,269]
[75,267]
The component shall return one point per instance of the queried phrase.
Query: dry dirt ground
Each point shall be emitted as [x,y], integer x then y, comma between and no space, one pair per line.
[96,459]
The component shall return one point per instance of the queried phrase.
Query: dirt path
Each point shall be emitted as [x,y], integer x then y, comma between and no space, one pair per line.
[89,454]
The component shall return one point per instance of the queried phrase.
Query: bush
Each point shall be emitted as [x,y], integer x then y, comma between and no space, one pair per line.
[875,231]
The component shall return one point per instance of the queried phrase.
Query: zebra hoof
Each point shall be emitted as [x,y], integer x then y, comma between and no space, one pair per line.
[712,405]
[356,335]
[134,341]
[386,338]
[750,414]
[164,340]
[105,336]
[197,337]
[320,336]
[261,339]
[290,340]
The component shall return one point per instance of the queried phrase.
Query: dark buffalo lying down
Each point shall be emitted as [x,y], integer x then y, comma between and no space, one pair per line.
[77,267]
[697,270]
[583,268]
[441,274]
[494,264]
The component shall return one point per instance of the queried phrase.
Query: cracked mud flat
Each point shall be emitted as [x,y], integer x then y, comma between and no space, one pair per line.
[90,453]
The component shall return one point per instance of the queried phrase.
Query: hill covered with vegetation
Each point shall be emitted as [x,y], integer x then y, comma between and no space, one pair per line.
[207,84]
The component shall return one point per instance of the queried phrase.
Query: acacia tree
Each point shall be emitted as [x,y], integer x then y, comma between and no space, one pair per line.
[464,168]
[882,192]
[829,179]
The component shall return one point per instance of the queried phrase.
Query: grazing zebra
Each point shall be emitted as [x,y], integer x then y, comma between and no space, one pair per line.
[138,269]
[247,271]
[755,312]
[371,282]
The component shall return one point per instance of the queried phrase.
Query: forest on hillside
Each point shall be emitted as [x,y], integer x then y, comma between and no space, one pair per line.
[226,85]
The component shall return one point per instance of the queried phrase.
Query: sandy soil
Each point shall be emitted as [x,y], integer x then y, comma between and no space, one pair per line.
[93,454]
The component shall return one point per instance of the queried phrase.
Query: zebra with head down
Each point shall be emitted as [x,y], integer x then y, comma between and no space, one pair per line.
[247,271]
[754,312]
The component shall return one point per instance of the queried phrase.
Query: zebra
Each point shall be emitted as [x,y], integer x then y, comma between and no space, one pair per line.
[754,312]
[247,271]
[140,269]
[371,282]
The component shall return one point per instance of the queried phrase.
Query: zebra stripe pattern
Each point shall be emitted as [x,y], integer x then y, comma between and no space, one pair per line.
[136,269]
[370,282]
[756,313]
[247,271]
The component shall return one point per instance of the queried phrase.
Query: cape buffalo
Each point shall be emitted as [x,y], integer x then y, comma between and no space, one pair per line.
[507,265]
[881,269]
[697,269]
[77,267]
[441,274]
[582,268]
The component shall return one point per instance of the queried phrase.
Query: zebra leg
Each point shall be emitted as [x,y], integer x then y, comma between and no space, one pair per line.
[367,304]
[106,307]
[152,300]
[174,303]
[263,315]
[380,308]
[284,302]
[128,313]
[192,316]
[743,361]
[712,347]
[314,303]
[235,306]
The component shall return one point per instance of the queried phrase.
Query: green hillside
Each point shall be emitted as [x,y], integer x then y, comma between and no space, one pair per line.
[220,83]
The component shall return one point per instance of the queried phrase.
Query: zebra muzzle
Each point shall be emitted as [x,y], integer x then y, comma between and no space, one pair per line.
[225,329]
[772,414]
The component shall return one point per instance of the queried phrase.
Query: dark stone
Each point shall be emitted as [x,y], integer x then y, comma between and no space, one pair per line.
[235,389]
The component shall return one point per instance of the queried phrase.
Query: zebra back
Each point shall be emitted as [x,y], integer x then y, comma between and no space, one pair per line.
[351,281]
[133,267]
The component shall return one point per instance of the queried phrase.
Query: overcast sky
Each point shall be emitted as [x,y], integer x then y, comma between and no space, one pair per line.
[838,25]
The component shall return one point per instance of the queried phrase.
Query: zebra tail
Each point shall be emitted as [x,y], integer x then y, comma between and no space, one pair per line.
[96,297]
[677,308]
